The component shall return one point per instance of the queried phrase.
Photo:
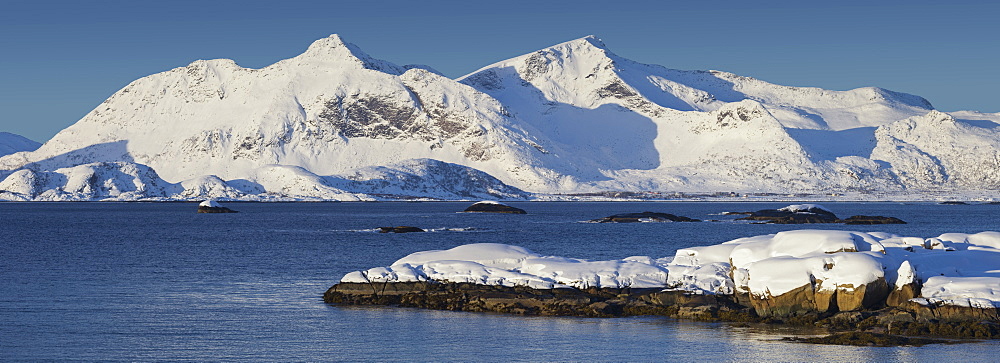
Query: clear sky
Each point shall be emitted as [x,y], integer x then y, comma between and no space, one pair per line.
[60,59]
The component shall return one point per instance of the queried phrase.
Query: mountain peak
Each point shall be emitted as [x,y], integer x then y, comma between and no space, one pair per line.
[333,41]
[594,41]
[591,42]
[334,48]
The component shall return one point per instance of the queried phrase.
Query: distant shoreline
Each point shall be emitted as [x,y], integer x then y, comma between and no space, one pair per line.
[957,201]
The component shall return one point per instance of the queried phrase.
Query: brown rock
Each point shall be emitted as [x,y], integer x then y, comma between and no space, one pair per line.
[806,300]
[898,297]
[950,313]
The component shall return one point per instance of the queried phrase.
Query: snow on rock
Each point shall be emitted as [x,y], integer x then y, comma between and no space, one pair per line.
[797,208]
[966,273]
[489,206]
[211,203]
[504,265]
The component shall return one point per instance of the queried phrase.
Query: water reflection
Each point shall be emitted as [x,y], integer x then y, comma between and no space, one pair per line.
[391,333]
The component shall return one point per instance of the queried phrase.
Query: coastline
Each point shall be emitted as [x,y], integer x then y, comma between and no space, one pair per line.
[965,324]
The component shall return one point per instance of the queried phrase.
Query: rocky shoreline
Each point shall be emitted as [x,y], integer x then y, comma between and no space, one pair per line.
[875,319]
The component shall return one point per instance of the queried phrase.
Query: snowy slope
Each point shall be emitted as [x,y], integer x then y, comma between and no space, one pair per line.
[938,149]
[584,73]
[647,127]
[336,123]
[13,143]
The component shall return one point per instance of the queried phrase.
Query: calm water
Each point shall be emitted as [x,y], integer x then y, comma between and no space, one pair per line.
[156,281]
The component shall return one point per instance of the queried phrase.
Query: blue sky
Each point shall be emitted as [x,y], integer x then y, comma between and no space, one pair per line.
[60,59]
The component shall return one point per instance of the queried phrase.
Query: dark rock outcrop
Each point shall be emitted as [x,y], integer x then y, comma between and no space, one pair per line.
[494,207]
[643,217]
[873,220]
[811,215]
[211,206]
[781,216]
[215,210]
[399,229]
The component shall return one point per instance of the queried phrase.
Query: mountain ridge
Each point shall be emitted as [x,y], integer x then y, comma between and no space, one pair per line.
[570,118]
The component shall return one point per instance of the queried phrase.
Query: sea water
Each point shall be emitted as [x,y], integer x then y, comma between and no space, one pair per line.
[157,281]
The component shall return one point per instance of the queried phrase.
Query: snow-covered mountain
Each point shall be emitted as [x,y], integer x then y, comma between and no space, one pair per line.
[336,123]
[645,127]
[13,143]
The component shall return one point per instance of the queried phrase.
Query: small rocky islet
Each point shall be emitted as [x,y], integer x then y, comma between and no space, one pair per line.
[793,214]
[810,213]
[493,207]
[212,206]
[642,217]
[400,229]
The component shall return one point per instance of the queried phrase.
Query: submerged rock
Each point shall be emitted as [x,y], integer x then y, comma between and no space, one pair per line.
[399,229]
[494,207]
[211,206]
[873,220]
[643,217]
[868,339]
